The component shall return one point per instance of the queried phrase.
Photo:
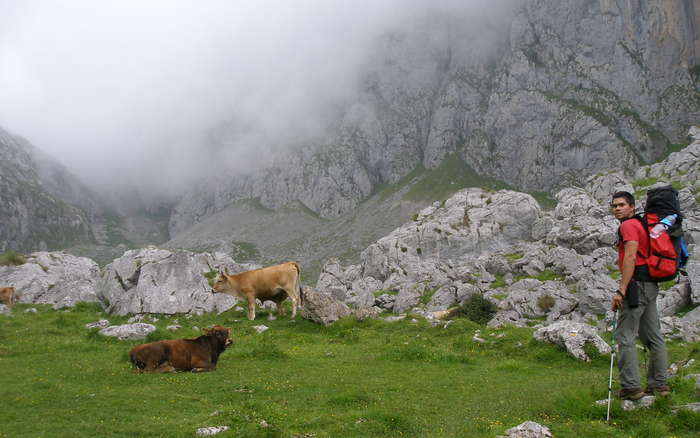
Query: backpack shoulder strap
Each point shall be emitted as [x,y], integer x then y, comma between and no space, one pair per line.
[643,221]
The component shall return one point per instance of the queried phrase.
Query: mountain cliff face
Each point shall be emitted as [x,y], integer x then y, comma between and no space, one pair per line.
[45,207]
[34,215]
[558,90]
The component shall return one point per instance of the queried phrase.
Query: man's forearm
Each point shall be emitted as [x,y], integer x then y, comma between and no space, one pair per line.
[627,272]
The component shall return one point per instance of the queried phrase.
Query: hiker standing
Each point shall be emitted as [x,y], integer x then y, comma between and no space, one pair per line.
[636,300]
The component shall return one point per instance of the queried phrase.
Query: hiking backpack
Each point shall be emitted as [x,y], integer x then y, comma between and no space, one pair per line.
[666,254]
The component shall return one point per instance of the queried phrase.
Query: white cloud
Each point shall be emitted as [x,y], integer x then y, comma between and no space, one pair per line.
[129,90]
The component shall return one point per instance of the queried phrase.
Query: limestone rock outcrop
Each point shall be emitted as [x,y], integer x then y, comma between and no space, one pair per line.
[56,278]
[153,280]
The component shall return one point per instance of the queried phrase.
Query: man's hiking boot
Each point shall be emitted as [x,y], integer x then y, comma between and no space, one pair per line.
[630,394]
[661,390]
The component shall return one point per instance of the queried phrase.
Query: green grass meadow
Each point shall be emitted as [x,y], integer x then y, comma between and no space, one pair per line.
[298,379]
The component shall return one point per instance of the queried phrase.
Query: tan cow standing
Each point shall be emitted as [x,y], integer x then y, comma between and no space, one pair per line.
[7,296]
[274,283]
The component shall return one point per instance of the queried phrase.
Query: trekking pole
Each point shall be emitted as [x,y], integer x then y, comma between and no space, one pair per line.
[612,358]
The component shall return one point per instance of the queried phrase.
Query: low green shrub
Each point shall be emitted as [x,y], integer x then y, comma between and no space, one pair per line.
[12,258]
[478,309]
[546,302]
[211,276]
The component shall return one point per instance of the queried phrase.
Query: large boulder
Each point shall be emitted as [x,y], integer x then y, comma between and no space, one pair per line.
[153,280]
[595,293]
[322,308]
[572,336]
[55,278]
[347,284]
[672,300]
[471,222]
[581,223]
[689,325]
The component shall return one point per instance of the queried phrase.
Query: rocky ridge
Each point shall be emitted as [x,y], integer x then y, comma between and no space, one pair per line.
[533,264]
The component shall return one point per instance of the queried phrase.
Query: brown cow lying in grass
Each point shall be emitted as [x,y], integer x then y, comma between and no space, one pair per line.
[196,354]
[7,296]
[274,283]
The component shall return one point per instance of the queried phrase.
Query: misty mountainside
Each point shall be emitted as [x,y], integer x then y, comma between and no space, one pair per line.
[45,207]
[539,99]
[36,214]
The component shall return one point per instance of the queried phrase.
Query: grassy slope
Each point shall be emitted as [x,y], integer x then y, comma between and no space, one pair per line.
[349,380]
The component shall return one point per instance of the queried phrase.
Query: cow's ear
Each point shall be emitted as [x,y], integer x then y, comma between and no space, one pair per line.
[206,331]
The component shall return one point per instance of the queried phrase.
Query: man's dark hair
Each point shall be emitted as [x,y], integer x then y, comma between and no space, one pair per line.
[627,195]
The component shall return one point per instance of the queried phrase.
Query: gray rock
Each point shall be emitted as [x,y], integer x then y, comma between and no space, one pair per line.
[407,298]
[576,203]
[97,324]
[527,297]
[565,260]
[672,300]
[693,269]
[595,293]
[497,265]
[507,317]
[602,187]
[693,407]
[330,283]
[260,328]
[152,280]
[322,308]
[361,292]
[442,299]
[55,278]
[465,291]
[689,325]
[4,310]
[385,301]
[644,402]
[668,326]
[395,318]
[528,429]
[126,332]
[366,313]
[211,430]
[572,336]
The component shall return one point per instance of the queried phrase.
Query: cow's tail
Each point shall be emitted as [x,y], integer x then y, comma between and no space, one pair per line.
[297,286]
